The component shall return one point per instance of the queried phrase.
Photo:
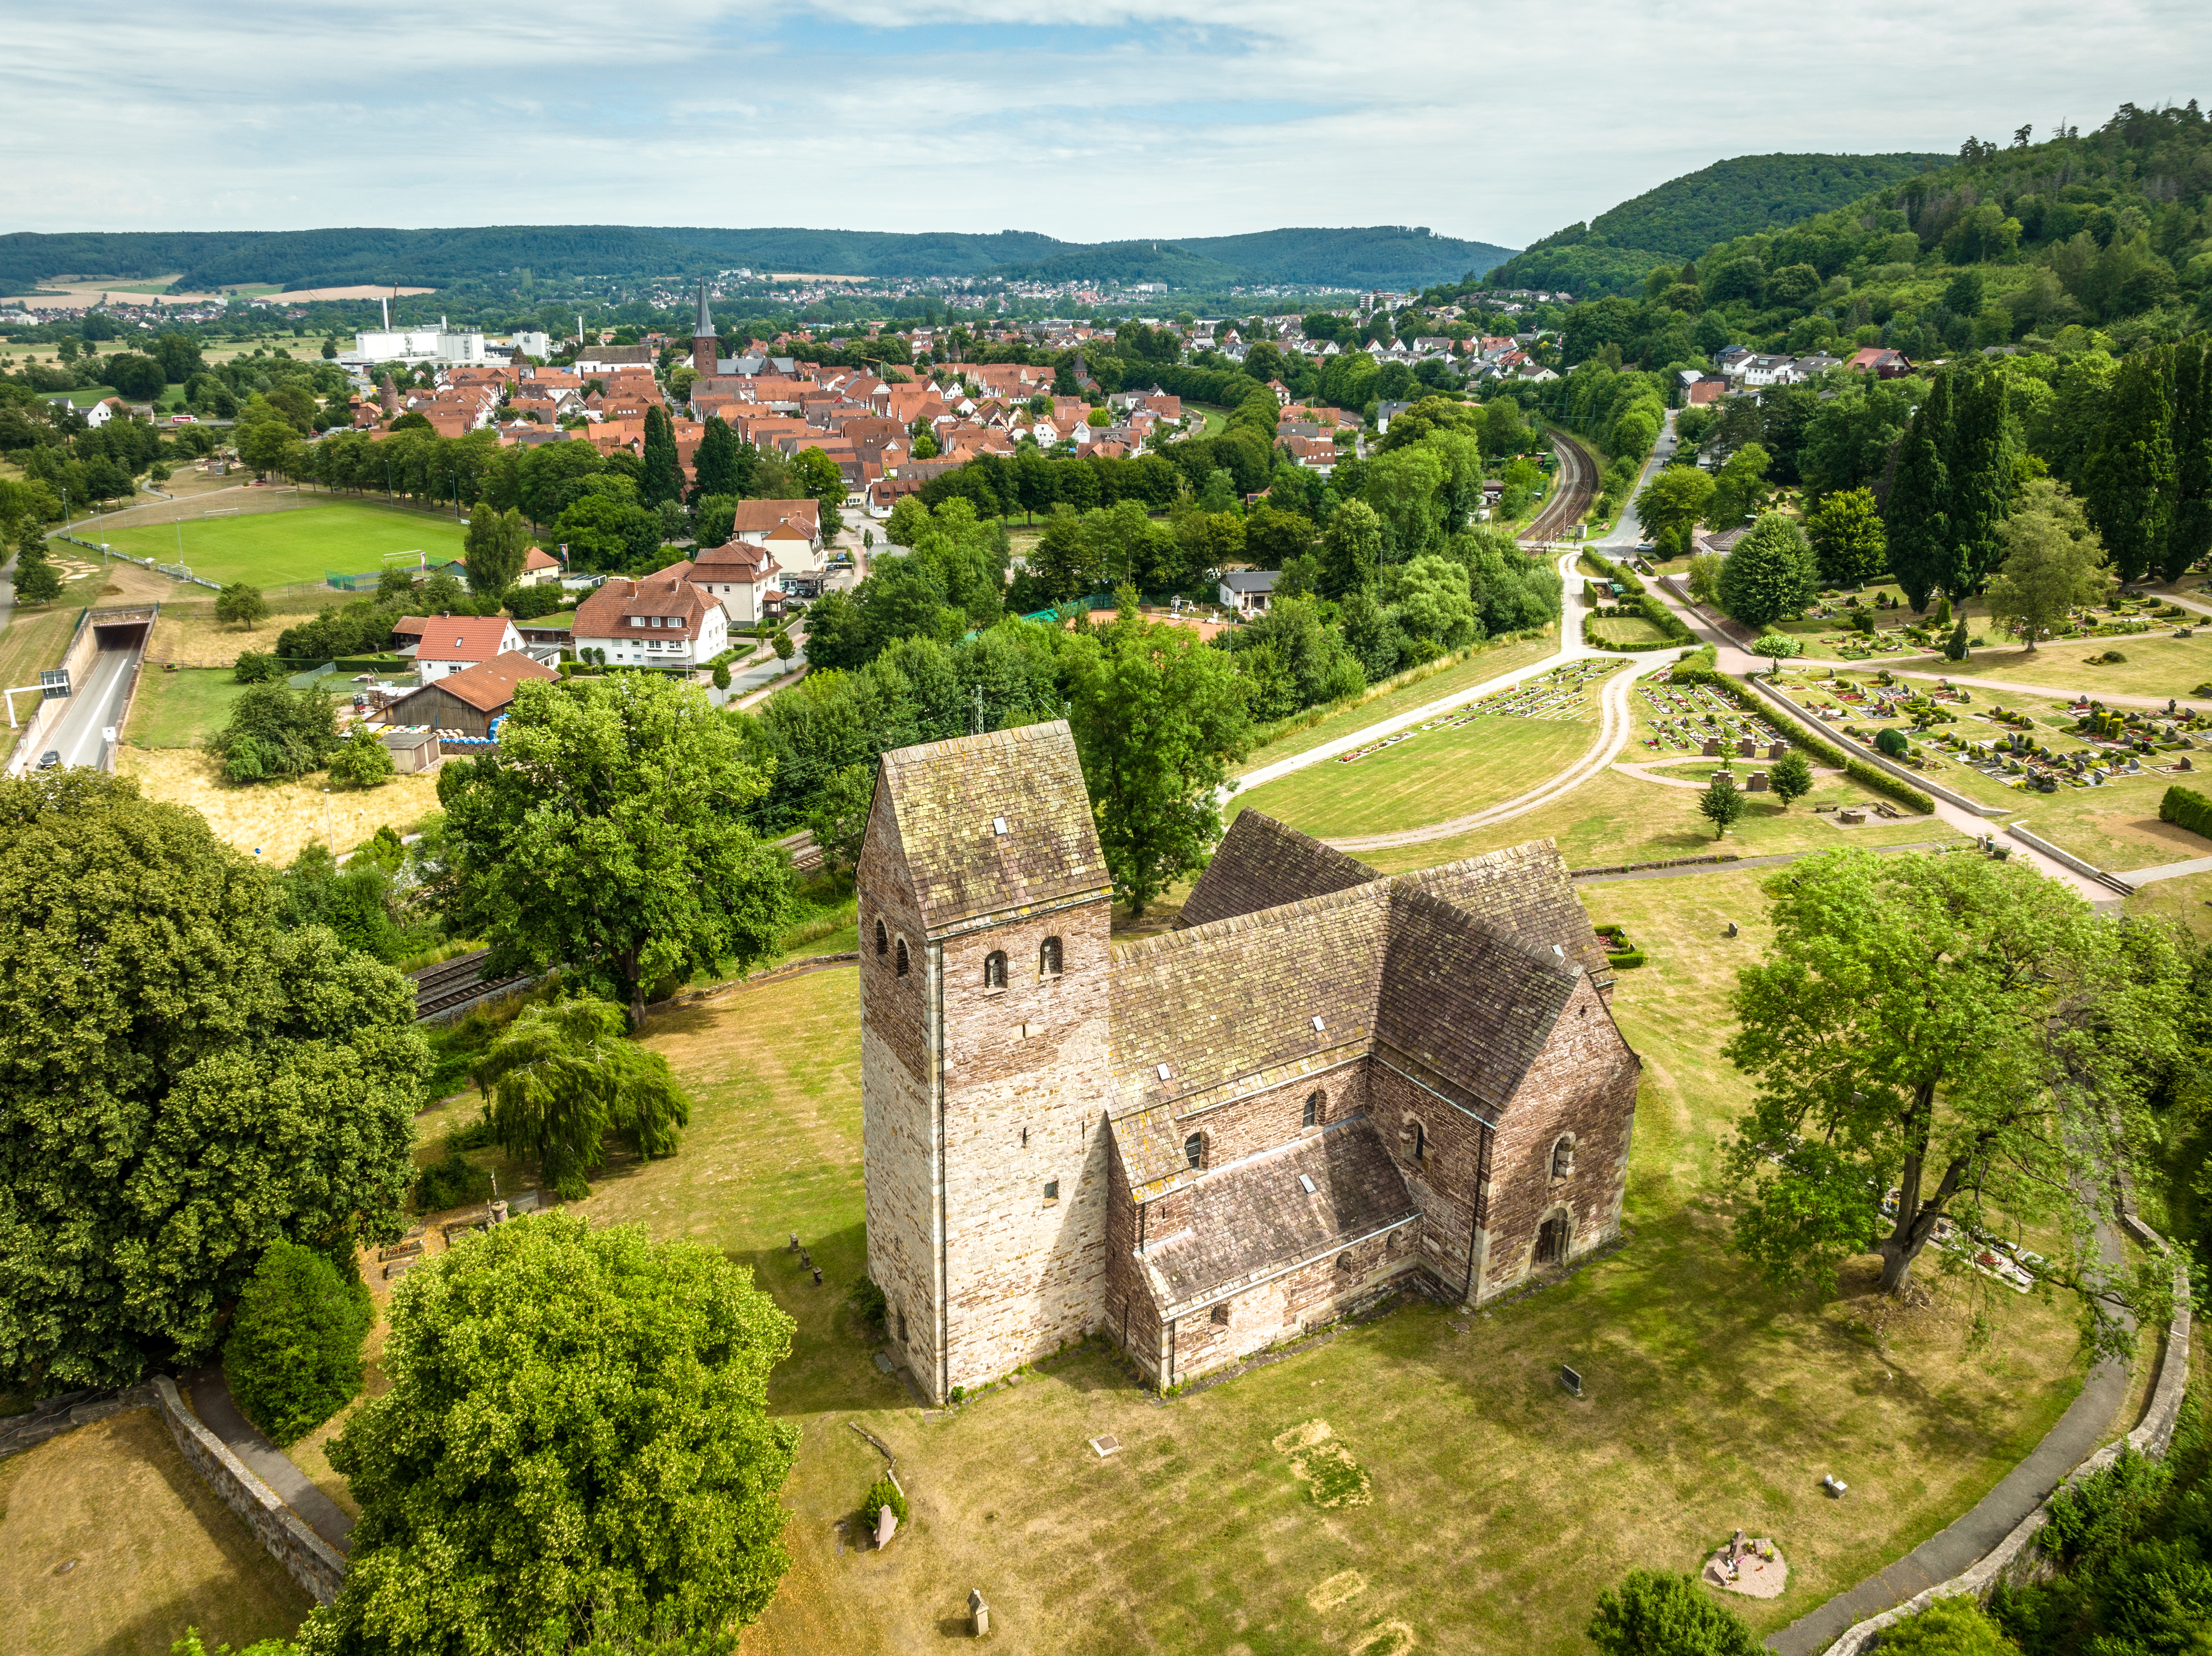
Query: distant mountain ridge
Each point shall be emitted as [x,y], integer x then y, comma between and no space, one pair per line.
[1383,256]
[1684,217]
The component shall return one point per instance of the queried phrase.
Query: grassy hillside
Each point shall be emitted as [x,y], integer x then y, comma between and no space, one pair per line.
[1685,215]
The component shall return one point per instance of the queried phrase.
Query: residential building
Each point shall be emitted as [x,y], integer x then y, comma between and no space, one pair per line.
[738,575]
[539,569]
[1248,590]
[451,643]
[467,703]
[662,620]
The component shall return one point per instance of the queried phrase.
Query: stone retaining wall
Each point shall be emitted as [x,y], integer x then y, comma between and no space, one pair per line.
[306,1558]
[2151,1437]
[52,1417]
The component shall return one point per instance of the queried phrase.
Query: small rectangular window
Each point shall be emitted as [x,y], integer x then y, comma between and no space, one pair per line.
[1052,1190]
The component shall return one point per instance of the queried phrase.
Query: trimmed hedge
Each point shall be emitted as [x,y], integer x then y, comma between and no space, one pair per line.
[1868,776]
[1642,607]
[1612,571]
[1621,962]
[294,1355]
[2188,809]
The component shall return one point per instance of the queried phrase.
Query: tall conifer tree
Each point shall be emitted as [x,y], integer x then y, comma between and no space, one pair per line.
[1917,516]
[2130,484]
[663,477]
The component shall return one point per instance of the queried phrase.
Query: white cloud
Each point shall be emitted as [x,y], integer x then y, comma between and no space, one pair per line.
[1156,118]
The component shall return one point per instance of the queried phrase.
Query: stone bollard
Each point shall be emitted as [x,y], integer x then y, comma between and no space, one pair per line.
[979,1613]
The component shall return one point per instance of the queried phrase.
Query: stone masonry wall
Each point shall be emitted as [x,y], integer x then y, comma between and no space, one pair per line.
[1263,1121]
[1584,1083]
[306,1558]
[1445,1181]
[1282,1309]
[898,1114]
[1026,1091]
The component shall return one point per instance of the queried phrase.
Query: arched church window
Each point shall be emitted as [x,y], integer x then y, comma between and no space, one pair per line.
[883,940]
[902,960]
[1193,1149]
[994,969]
[1312,1118]
[1049,958]
[1563,1157]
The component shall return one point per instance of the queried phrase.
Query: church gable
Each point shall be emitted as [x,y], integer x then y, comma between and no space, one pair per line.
[993,823]
[1523,890]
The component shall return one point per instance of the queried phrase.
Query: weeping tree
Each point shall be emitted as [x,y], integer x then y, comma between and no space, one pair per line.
[1963,1032]
[561,1077]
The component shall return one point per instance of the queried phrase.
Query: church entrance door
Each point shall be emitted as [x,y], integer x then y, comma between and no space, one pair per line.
[1552,1241]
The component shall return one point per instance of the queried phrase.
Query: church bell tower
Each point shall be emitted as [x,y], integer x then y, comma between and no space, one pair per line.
[702,336]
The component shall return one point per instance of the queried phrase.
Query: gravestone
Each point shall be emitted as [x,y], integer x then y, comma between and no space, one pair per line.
[887,1527]
[1745,747]
[1571,1380]
[1712,747]
[1777,747]
[979,1613]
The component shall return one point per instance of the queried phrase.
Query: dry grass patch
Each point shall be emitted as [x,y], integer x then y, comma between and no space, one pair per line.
[112,1542]
[278,817]
[2186,900]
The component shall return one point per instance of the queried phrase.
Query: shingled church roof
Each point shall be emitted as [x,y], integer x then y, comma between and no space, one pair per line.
[993,823]
[1261,863]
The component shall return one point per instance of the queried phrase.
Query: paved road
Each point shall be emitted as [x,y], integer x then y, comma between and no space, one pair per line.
[94,708]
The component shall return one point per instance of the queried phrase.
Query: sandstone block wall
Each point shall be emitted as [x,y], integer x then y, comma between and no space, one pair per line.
[1446,1181]
[1584,1083]
[1273,1312]
[306,1558]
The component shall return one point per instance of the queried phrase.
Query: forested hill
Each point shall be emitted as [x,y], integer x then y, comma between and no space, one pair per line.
[1685,215]
[1379,256]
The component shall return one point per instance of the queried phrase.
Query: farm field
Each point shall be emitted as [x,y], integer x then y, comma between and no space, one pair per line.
[1478,668]
[277,818]
[272,549]
[1436,776]
[154,1550]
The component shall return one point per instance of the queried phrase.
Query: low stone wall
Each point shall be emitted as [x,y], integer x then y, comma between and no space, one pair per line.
[2019,831]
[2151,1437]
[306,1558]
[51,1416]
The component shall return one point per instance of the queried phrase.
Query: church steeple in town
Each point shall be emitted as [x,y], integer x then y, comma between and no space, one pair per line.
[702,336]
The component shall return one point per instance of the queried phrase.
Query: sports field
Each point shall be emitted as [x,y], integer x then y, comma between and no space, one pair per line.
[275,549]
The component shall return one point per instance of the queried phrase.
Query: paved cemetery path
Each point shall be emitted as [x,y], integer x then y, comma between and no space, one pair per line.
[1646,771]
[219,1412]
[2081,1431]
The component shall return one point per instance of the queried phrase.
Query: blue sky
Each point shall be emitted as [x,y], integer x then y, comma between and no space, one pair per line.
[1144,118]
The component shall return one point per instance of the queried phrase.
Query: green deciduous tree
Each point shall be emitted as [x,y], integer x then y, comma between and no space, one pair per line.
[36,580]
[575,1448]
[1672,505]
[1158,717]
[1739,488]
[1351,549]
[1721,804]
[1963,1030]
[1653,1613]
[1777,647]
[241,604]
[497,543]
[561,1077]
[1769,576]
[182,1082]
[362,760]
[2053,560]
[293,1357]
[605,836]
[275,732]
[1431,598]
[1948,1627]
[1790,777]
[1847,534]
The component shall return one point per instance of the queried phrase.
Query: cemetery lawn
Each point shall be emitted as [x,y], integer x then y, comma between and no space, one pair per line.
[156,1550]
[2186,899]
[1499,1506]
[2115,826]
[1613,817]
[2157,664]
[1431,778]
[273,549]
[181,709]
[1624,630]
[1479,668]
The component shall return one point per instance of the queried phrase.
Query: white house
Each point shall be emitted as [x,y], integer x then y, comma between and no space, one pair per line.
[1247,590]
[539,569]
[738,575]
[662,620]
[451,643]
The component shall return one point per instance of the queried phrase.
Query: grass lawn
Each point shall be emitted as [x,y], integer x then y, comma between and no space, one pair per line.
[2156,666]
[181,709]
[1477,669]
[1624,629]
[1431,778]
[1617,818]
[189,635]
[2186,899]
[84,396]
[154,1550]
[272,549]
[2116,827]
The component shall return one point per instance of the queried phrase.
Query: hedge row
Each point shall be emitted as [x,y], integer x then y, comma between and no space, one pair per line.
[1614,572]
[1817,747]
[2188,809]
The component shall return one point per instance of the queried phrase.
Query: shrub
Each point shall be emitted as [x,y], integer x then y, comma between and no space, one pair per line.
[294,1355]
[881,1494]
[1656,1614]
[528,603]
[257,667]
[2188,809]
[867,1301]
[1625,959]
[360,761]
[455,1182]
[1949,1627]
[1892,744]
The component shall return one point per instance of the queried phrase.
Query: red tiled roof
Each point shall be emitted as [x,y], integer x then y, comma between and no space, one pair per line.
[461,637]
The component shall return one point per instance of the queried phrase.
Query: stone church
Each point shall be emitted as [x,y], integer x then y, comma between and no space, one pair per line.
[1326,1084]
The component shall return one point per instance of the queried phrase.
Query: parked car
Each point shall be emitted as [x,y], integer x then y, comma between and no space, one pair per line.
[50,759]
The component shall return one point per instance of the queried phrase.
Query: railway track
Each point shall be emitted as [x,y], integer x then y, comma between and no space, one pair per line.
[456,982]
[1570,499]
